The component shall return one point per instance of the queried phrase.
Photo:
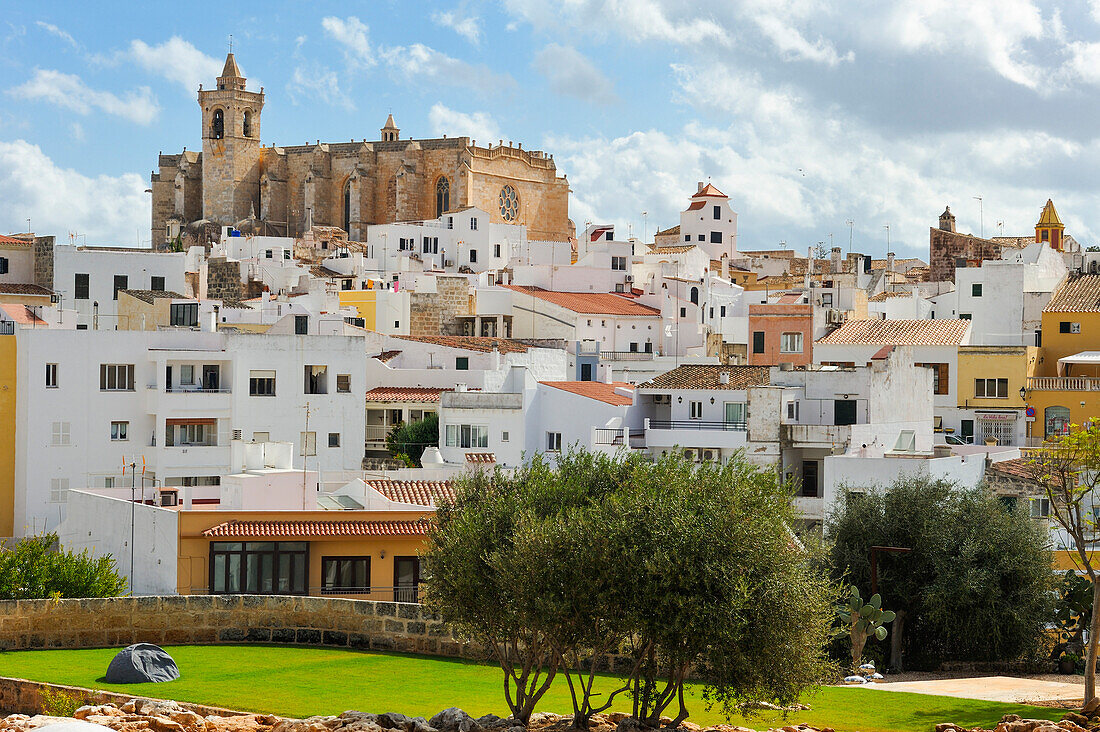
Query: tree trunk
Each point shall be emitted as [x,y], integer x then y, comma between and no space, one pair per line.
[1094,641]
[897,628]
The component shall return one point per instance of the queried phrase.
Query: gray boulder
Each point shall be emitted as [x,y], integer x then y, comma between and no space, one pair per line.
[141,663]
[453,719]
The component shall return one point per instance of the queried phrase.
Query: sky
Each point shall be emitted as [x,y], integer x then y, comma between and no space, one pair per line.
[808,114]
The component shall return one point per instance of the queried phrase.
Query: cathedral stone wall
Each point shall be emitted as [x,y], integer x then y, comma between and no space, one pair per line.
[945,247]
[435,313]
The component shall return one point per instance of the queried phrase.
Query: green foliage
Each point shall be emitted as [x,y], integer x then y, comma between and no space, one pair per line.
[977,585]
[407,440]
[1073,613]
[59,703]
[681,567]
[863,621]
[34,570]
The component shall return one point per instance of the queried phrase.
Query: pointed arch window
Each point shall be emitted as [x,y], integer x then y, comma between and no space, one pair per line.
[442,196]
[247,123]
[217,125]
[347,208]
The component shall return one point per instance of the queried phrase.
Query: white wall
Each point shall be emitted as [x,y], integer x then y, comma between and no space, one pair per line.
[101,265]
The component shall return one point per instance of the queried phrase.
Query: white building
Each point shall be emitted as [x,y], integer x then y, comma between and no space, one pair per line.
[710,223]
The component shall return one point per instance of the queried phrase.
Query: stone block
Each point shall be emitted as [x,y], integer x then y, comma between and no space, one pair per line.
[416,627]
[395,626]
[408,611]
[334,638]
[258,635]
[230,635]
[386,609]
[308,636]
[283,635]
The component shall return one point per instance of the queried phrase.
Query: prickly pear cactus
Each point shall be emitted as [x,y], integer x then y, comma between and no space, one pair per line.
[863,621]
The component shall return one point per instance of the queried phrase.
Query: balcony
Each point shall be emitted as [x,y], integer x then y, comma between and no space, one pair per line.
[617,437]
[815,435]
[480,400]
[626,356]
[1063,383]
[694,433]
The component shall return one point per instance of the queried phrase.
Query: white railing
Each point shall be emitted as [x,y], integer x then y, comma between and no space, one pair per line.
[1063,383]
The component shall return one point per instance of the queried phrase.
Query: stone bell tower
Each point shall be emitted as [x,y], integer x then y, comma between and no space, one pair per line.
[231,147]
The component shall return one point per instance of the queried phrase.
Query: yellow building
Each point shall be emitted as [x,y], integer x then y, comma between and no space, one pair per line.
[991,384]
[7,435]
[1050,228]
[1065,386]
[365,303]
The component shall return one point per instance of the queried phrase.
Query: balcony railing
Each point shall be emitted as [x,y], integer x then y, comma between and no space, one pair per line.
[696,424]
[1063,383]
[198,390]
[626,355]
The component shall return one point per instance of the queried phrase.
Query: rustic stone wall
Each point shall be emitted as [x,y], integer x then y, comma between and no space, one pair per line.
[944,247]
[223,279]
[434,313]
[43,261]
[190,619]
[19,696]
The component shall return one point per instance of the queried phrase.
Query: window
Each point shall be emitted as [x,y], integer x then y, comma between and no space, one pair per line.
[496,251]
[334,439]
[184,314]
[735,413]
[940,382]
[261,382]
[473,255]
[693,295]
[268,254]
[1068,327]
[790,343]
[261,437]
[3,265]
[722,311]
[119,430]
[844,411]
[509,203]
[976,289]
[187,374]
[59,434]
[120,284]
[301,325]
[59,490]
[634,347]
[1045,234]
[906,442]
[473,223]
[716,237]
[347,207]
[191,433]
[1040,507]
[826,299]
[683,312]
[316,380]
[965,316]
[503,436]
[259,567]
[717,212]
[309,443]
[51,376]
[758,341]
[345,575]
[116,377]
[343,383]
[81,286]
[430,245]
[156,284]
[246,127]
[702,237]
[618,264]
[442,196]
[809,479]
[990,388]
[467,435]
[792,410]
[217,125]
[1057,421]
[462,363]
[695,410]
[553,442]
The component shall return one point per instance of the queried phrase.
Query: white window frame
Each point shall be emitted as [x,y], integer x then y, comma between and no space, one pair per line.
[695,409]
[187,374]
[122,374]
[467,435]
[738,407]
[59,490]
[60,434]
[120,430]
[553,442]
[51,376]
[1040,507]
[790,343]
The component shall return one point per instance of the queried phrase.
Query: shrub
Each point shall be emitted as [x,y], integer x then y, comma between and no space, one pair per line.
[407,441]
[33,569]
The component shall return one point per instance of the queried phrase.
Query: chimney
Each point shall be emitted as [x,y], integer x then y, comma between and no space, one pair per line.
[724,378]
[699,186]
[725,266]
[495,359]
[836,260]
[608,377]
[809,267]
[460,387]
[889,261]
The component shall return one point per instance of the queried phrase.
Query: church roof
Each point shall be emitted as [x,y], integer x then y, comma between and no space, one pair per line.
[1049,217]
[390,124]
[709,191]
[231,70]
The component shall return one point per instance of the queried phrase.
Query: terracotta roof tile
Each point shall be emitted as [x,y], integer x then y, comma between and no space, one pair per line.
[481,458]
[671,249]
[590,303]
[308,529]
[696,205]
[1020,469]
[884,296]
[597,390]
[484,344]
[669,231]
[23,288]
[150,295]
[899,333]
[12,241]
[421,492]
[21,314]
[709,191]
[385,356]
[709,377]
[405,394]
[1078,295]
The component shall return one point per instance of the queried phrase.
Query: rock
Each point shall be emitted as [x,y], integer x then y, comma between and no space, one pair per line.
[1091,707]
[1076,718]
[541,718]
[1010,718]
[73,725]
[453,719]
[948,727]
[141,663]
[392,720]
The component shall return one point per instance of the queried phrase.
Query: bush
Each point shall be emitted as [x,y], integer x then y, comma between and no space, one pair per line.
[407,441]
[33,569]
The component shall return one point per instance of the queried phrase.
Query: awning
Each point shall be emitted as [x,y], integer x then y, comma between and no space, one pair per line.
[1084,358]
[312,529]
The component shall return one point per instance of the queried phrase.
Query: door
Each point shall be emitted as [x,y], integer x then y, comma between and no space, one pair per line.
[168,378]
[966,430]
[586,372]
[844,411]
[406,578]
[809,478]
[210,378]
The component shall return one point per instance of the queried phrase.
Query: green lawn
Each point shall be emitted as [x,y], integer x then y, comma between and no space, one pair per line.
[300,681]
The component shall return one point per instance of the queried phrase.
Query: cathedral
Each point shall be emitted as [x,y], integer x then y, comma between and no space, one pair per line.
[284,191]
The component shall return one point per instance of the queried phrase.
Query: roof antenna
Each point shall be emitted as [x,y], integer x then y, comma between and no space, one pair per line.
[231,43]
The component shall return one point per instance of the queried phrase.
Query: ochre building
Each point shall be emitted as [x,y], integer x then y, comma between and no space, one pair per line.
[284,191]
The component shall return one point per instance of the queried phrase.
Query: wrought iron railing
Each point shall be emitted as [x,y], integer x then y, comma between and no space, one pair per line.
[696,424]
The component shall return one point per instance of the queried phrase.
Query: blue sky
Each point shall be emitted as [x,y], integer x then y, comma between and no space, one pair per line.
[808,114]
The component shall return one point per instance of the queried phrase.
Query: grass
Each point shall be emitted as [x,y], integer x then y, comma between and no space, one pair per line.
[301,681]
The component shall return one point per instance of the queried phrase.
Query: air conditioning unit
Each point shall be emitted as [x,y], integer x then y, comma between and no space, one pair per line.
[449,263]
[834,316]
[710,455]
[662,399]
[629,278]
[691,454]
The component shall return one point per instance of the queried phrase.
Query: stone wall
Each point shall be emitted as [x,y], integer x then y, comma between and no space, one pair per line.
[197,619]
[434,313]
[19,696]
[223,279]
[945,247]
[43,261]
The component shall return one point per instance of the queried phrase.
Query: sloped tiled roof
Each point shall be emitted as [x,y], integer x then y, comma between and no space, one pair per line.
[696,205]
[1049,216]
[709,377]
[597,390]
[1019,469]
[884,296]
[23,288]
[481,458]
[421,492]
[307,529]
[484,344]
[150,295]
[405,394]
[1078,295]
[672,248]
[12,241]
[898,333]
[590,303]
[21,314]
[385,356]
[669,231]
[709,191]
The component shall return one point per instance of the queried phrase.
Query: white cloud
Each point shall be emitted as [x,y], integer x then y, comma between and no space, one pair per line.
[423,63]
[792,44]
[477,126]
[673,21]
[59,32]
[176,60]
[569,72]
[77,131]
[110,210]
[354,36]
[70,92]
[469,27]
[313,81]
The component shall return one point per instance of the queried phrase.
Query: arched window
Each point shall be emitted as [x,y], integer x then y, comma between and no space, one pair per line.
[1057,421]
[442,196]
[247,123]
[217,125]
[694,296]
[347,208]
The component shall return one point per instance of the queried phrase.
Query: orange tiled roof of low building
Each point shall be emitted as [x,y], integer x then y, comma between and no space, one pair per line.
[589,303]
[22,314]
[709,191]
[483,344]
[421,492]
[481,458]
[597,390]
[304,529]
[1077,295]
[884,296]
[23,288]
[405,394]
[671,249]
[12,241]
[898,333]
[709,376]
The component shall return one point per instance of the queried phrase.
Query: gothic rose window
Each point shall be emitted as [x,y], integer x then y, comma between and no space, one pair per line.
[509,203]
